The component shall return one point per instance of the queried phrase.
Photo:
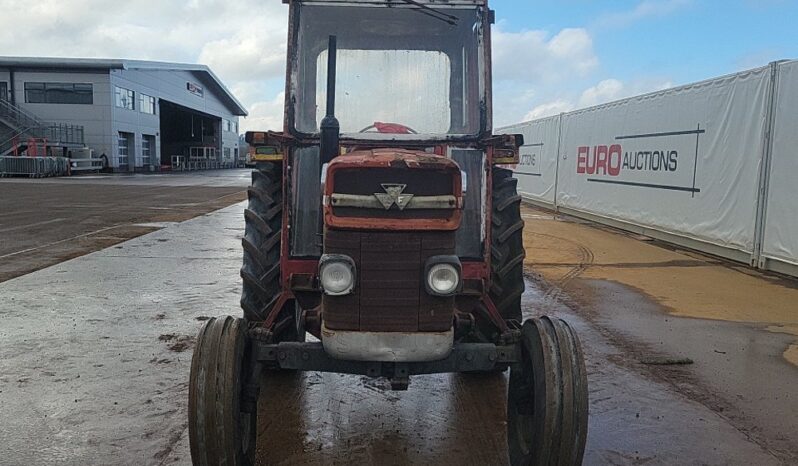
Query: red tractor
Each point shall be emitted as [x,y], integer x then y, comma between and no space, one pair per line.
[386,228]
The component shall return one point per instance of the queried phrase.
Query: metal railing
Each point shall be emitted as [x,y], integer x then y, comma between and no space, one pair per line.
[25,125]
[34,167]
[62,133]
[179,163]
[18,117]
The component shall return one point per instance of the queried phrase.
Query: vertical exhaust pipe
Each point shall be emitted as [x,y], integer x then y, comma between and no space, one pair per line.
[330,128]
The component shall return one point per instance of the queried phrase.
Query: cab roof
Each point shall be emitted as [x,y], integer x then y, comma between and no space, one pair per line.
[429,3]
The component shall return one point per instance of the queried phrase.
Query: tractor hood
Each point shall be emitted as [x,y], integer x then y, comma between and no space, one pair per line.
[394,158]
[395,189]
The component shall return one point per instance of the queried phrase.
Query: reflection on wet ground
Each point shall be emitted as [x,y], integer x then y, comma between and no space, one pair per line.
[50,220]
[95,355]
[459,419]
[314,418]
[739,328]
[685,283]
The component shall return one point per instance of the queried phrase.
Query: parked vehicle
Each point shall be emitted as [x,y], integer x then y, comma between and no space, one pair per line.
[387,229]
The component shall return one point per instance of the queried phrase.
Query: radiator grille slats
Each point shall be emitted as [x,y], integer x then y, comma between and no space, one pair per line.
[367,182]
[390,295]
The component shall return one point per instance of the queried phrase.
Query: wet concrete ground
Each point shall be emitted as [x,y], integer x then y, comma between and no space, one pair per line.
[459,419]
[737,328]
[95,354]
[46,221]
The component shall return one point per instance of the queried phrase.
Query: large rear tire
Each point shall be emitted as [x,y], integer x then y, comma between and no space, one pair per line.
[219,432]
[547,398]
[260,271]
[507,246]
[263,222]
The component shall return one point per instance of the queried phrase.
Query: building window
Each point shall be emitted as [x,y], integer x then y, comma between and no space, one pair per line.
[229,126]
[59,93]
[124,141]
[147,104]
[227,153]
[125,98]
[4,91]
[147,149]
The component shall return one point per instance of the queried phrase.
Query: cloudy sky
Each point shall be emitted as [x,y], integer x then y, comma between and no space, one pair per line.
[549,56]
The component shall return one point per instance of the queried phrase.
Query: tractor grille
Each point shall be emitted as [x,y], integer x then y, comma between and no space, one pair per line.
[367,182]
[390,295]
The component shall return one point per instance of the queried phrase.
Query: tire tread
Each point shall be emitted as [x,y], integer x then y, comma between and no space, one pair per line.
[215,395]
[507,246]
[261,243]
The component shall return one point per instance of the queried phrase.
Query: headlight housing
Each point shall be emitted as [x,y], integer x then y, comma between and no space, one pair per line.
[443,275]
[337,274]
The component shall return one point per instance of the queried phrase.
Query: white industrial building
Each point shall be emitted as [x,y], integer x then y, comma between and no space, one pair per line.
[140,115]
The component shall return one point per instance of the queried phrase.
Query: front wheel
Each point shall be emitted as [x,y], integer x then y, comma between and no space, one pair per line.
[219,431]
[547,399]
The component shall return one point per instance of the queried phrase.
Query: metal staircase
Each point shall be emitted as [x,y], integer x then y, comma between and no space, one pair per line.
[18,126]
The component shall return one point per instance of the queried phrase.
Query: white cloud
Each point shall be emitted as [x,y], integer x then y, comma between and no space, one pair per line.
[265,115]
[604,91]
[757,58]
[644,9]
[549,109]
[536,56]
[131,29]
[613,89]
[250,54]
[534,66]
[242,41]
[536,73]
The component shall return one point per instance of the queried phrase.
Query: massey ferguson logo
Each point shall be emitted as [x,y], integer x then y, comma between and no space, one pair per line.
[666,160]
[393,195]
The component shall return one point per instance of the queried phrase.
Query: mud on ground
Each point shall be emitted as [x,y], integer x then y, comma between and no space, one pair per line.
[44,222]
[735,327]
[94,364]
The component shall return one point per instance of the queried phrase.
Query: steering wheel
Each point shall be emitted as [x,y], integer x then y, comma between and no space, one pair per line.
[389,128]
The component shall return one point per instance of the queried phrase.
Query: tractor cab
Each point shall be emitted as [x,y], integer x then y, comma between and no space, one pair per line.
[405,71]
[389,103]
[385,226]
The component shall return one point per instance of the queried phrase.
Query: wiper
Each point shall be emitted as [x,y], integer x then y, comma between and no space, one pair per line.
[432,12]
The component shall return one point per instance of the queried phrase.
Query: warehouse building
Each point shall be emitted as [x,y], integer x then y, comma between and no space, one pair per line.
[137,115]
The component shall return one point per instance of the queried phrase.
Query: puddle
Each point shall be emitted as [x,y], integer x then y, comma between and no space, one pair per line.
[155,224]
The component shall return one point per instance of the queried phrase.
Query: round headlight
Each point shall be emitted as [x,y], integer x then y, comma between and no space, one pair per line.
[443,279]
[337,278]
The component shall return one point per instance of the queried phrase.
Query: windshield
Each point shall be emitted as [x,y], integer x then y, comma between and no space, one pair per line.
[398,71]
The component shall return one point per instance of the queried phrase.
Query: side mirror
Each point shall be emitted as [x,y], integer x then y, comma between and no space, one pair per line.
[506,148]
[264,146]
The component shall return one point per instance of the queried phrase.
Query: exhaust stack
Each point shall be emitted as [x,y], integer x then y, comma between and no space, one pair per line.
[330,128]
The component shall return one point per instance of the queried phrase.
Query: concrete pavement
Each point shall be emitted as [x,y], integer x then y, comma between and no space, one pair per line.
[95,354]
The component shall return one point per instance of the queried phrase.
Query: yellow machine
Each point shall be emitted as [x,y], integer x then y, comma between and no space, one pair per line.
[260,150]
